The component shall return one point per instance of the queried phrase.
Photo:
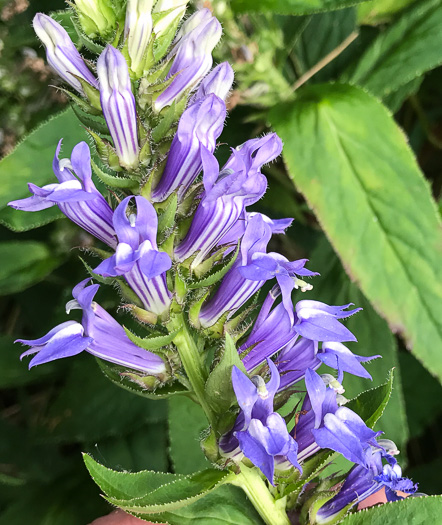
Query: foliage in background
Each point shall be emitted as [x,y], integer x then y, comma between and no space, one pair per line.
[367,203]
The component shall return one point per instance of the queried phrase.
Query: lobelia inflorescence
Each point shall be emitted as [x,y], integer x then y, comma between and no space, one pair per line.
[189,258]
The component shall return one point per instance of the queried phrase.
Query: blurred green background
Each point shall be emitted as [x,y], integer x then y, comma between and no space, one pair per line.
[51,414]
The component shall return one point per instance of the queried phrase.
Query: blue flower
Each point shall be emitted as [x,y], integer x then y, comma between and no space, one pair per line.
[363,481]
[137,257]
[61,53]
[118,105]
[259,433]
[199,127]
[219,82]
[98,333]
[75,195]
[192,56]
[226,195]
[323,424]
[235,289]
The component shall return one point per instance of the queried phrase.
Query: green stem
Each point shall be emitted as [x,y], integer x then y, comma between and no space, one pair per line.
[271,511]
[193,364]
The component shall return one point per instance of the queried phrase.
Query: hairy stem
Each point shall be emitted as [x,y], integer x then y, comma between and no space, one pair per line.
[193,363]
[271,511]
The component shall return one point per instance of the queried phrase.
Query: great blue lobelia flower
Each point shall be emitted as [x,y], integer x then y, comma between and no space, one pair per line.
[199,127]
[137,257]
[98,333]
[61,53]
[75,195]
[259,432]
[118,105]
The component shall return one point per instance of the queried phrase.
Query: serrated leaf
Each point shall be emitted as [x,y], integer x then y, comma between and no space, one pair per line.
[167,218]
[219,387]
[291,7]
[31,161]
[410,47]
[176,494]
[22,221]
[94,122]
[216,274]
[112,180]
[378,11]
[126,485]
[346,154]
[370,405]
[227,505]
[418,511]
[163,127]
[152,342]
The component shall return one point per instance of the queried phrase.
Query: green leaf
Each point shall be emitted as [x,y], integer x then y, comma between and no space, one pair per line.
[187,422]
[24,264]
[31,161]
[395,99]
[151,499]
[291,7]
[418,511]
[377,11]
[152,342]
[21,221]
[219,387]
[374,338]
[370,405]
[411,46]
[227,505]
[126,484]
[351,161]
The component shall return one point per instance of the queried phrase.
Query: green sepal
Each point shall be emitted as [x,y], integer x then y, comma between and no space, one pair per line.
[163,42]
[92,94]
[217,329]
[216,274]
[112,181]
[210,447]
[316,502]
[92,120]
[105,151]
[163,128]
[85,41]
[166,219]
[152,342]
[219,389]
[79,103]
[167,245]
[195,308]
[145,154]
[158,74]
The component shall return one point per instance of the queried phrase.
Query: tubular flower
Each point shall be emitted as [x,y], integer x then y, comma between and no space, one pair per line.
[241,282]
[227,193]
[98,333]
[199,127]
[137,257]
[363,481]
[192,56]
[61,53]
[118,104]
[218,82]
[75,195]
[322,424]
[259,433]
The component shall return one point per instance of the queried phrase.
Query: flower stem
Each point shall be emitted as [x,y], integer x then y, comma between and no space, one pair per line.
[193,363]
[271,511]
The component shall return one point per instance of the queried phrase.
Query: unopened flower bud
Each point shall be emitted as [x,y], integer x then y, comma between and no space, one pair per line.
[174,10]
[138,30]
[61,53]
[118,104]
[97,17]
[218,82]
